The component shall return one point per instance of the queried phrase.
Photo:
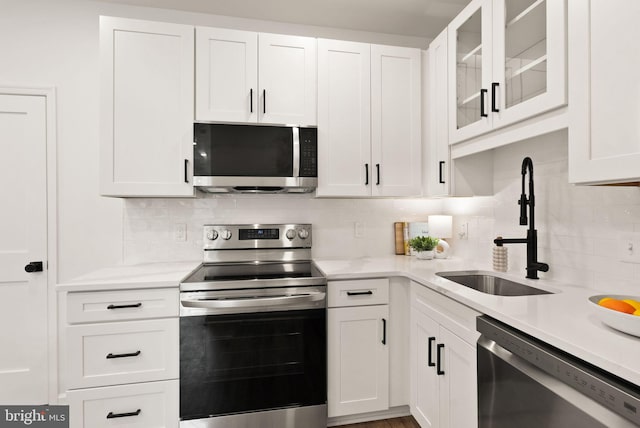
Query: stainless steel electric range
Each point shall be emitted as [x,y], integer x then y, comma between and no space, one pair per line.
[253,331]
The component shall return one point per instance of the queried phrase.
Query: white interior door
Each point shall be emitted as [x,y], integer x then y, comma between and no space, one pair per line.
[23,239]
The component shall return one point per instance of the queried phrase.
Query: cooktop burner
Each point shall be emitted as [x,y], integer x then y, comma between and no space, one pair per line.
[251,256]
[249,271]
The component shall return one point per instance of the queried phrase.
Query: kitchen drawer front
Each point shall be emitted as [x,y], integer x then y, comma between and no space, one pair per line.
[157,402]
[126,352]
[97,306]
[359,292]
[456,317]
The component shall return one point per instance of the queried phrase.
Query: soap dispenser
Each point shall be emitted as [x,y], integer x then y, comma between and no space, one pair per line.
[500,257]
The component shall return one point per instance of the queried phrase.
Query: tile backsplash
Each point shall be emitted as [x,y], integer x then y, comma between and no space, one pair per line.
[149,224]
[579,227]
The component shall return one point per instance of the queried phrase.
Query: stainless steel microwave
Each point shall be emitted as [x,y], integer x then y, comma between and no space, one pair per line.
[254,158]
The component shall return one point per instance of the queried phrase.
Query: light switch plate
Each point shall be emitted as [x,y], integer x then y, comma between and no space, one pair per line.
[629,247]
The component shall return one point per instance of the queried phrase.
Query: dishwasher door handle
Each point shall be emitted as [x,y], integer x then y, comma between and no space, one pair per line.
[253,301]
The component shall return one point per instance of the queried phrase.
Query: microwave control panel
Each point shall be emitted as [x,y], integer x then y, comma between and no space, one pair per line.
[308,152]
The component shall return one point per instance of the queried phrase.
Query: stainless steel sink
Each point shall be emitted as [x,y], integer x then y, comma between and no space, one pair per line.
[490,284]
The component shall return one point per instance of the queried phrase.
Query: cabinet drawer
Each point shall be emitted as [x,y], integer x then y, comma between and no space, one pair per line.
[96,306]
[144,405]
[456,317]
[126,352]
[359,292]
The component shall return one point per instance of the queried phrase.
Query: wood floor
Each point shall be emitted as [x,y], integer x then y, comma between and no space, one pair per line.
[404,422]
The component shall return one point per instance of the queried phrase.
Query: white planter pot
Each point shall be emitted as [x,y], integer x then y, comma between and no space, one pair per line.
[425,255]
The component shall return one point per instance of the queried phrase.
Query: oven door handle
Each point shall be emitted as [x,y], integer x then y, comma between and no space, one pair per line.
[253,302]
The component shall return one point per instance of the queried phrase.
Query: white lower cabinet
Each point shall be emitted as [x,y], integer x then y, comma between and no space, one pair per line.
[443,361]
[123,352]
[121,358]
[357,349]
[141,405]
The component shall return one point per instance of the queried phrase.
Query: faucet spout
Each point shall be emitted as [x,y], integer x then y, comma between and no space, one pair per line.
[533,265]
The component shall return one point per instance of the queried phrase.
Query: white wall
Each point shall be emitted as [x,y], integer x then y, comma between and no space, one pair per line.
[149,223]
[578,226]
[55,44]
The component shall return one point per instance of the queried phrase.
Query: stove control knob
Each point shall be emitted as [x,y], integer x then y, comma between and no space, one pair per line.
[226,234]
[303,233]
[291,233]
[212,235]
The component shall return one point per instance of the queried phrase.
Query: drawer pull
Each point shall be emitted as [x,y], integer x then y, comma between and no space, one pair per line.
[131,354]
[360,293]
[135,305]
[112,415]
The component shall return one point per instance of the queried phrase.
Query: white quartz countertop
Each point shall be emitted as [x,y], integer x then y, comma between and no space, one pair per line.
[148,275]
[565,319]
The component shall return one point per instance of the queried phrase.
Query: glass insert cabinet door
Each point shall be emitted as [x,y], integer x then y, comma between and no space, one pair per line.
[529,57]
[509,59]
[470,50]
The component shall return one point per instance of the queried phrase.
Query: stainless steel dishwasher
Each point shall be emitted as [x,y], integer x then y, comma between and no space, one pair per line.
[526,383]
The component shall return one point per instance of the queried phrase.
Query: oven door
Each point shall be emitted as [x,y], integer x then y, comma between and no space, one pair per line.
[251,361]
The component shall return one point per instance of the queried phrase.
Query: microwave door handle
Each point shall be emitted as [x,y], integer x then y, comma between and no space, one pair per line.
[296,151]
[256,302]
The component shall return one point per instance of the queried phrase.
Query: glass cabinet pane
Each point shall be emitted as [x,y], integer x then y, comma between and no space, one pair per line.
[469,70]
[525,50]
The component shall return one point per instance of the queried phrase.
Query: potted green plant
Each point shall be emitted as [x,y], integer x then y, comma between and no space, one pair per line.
[424,246]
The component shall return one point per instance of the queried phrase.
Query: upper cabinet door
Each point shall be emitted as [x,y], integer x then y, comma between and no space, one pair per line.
[604,137]
[226,75]
[529,54]
[344,118]
[146,108]
[470,50]
[288,79]
[438,162]
[395,124]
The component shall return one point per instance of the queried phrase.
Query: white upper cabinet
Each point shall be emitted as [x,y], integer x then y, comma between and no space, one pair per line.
[507,60]
[288,79]
[226,75]
[146,133]
[369,141]
[344,118]
[604,137]
[438,162]
[244,76]
[395,121]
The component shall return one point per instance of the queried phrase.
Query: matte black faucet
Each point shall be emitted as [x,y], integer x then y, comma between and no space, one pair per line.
[533,265]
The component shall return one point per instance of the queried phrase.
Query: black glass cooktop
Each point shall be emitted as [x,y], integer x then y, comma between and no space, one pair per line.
[249,271]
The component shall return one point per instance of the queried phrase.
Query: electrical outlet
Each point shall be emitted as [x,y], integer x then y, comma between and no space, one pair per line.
[180,232]
[464,231]
[358,229]
[629,247]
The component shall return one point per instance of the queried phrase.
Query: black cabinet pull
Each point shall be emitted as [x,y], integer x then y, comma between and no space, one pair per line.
[482,112]
[366,174]
[430,362]
[439,370]
[359,293]
[135,305]
[378,174]
[440,175]
[264,101]
[34,267]
[494,86]
[112,415]
[251,100]
[384,331]
[186,170]
[111,356]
